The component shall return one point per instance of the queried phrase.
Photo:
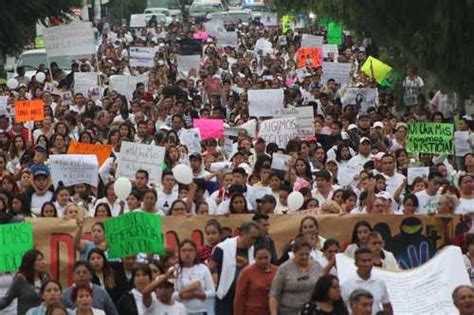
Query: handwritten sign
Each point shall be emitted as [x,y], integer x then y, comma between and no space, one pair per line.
[74,39]
[263,47]
[15,240]
[126,84]
[265,103]
[101,151]
[414,172]
[279,130]
[191,138]
[281,162]
[330,49]
[3,105]
[186,63]
[210,128]
[142,56]
[434,138]
[133,233]
[269,19]
[83,81]
[137,156]
[363,98]
[225,39]
[29,111]
[304,118]
[309,57]
[423,290]
[340,72]
[72,169]
[311,41]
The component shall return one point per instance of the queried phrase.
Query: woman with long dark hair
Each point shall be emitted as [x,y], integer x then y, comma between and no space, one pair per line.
[104,274]
[326,299]
[27,282]
[360,237]
[50,293]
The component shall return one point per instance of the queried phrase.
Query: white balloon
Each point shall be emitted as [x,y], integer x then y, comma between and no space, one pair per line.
[12,84]
[40,77]
[295,200]
[183,174]
[122,188]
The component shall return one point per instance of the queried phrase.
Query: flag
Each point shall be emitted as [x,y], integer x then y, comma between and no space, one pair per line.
[381,72]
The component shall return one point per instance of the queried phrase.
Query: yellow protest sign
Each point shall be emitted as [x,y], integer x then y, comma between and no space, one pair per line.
[376,69]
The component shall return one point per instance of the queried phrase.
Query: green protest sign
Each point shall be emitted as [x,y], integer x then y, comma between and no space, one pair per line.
[334,33]
[432,138]
[15,240]
[133,233]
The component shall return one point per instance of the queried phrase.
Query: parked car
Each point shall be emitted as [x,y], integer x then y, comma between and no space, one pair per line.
[231,17]
[202,9]
[256,8]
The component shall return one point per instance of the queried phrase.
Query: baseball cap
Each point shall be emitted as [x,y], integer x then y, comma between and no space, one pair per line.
[383,194]
[38,170]
[195,155]
[379,156]
[400,125]
[363,139]
[378,124]
[352,126]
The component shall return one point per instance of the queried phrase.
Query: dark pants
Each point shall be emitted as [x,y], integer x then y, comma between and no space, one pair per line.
[226,305]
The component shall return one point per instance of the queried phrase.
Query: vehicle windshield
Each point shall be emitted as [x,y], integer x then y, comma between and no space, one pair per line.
[256,8]
[207,8]
[235,17]
[168,4]
[34,60]
[235,3]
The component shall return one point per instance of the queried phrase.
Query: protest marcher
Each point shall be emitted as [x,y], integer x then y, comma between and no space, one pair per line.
[381,258]
[50,292]
[361,302]
[326,298]
[82,297]
[463,299]
[360,237]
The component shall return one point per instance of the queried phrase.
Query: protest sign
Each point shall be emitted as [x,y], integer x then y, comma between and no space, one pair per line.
[101,151]
[250,126]
[269,19]
[29,111]
[3,105]
[55,236]
[414,172]
[281,162]
[72,169]
[376,69]
[340,72]
[311,41]
[424,290]
[210,128]
[363,98]
[142,56]
[191,138]
[15,240]
[304,118]
[126,84]
[225,39]
[461,143]
[433,138]
[263,47]
[264,103]
[214,26]
[279,130]
[228,147]
[309,57]
[231,131]
[133,233]
[330,49]
[83,81]
[221,167]
[347,173]
[66,98]
[74,39]
[186,63]
[136,156]
[334,35]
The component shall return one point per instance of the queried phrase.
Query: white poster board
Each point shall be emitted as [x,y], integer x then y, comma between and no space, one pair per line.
[74,39]
[126,84]
[414,172]
[304,118]
[269,19]
[426,289]
[142,56]
[330,48]
[265,103]
[281,162]
[340,72]
[3,105]
[83,81]
[311,41]
[263,47]
[186,63]
[363,97]
[137,156]
[73,169]
[279,130]
[225,39]
[191,138]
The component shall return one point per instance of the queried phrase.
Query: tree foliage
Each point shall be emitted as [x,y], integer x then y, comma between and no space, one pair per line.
[436,36]
[122,9]
[19,18]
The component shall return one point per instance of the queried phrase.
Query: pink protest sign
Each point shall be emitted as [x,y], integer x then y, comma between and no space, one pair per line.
[210,128]
[203,36]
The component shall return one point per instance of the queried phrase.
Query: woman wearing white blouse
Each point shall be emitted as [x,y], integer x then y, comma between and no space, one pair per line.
[193,284]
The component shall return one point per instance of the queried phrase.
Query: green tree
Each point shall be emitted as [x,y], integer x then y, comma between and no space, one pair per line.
[436,36]
[122,9]
[19,18]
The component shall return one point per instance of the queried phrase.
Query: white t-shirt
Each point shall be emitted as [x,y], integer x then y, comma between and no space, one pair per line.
[186,276]
[426,203]
[373,285]
[165,200]
[465,206]
[38,201]
[158,308]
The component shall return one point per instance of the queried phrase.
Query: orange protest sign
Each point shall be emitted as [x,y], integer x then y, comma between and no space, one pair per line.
[309,57]
[102,151]
[29,111]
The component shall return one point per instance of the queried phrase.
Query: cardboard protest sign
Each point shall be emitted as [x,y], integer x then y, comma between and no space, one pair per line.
[133,233]
[264,103]
[311,41]
[424,290]
[29,111]
[330,49]
[136,156]
[101,151]
[414,172]
[210,128]
[340,72]
[74,39]
[281,162]
[15,240]
[83,81]
[363,98]
[434,138]
[279,130]
[73,169]
[461,143]
[309,57]
[304,118]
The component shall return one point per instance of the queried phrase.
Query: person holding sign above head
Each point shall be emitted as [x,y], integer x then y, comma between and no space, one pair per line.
[363,279]
[98,238]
